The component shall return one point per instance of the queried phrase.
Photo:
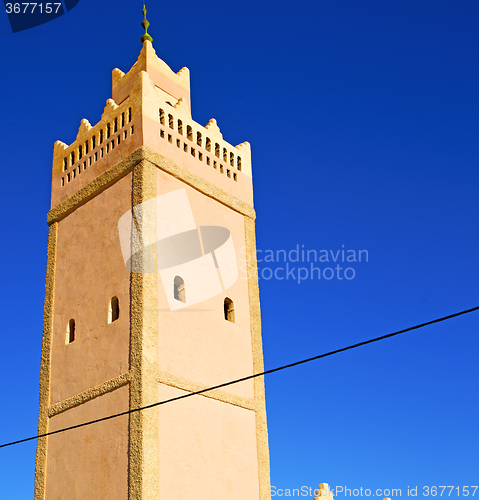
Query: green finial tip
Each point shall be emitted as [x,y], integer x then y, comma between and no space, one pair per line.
[145,25]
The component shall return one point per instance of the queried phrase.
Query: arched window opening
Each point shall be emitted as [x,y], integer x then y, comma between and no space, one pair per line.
[162,116]
[72,157]
[170,121]
[123,119]
[179,289]
[129,115]
[70,332]
[217,150]
[232,159]
[80,152]
[225,155]
[65,163]
[198,138]
[101,136]
[208,144]
[87,144]
[229,310]
[189,132]
[114,312]
[108,130]
[115,126]
[180,127]
[238,162]
[93,142]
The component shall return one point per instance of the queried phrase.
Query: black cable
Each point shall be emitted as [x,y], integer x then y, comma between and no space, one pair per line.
[249,377]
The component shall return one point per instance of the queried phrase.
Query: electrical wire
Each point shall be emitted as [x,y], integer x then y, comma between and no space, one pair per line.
[249,377]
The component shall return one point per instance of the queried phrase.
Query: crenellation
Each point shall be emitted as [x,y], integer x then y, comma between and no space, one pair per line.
[182,106]
[201,143]
[95,143]
[92,143]
[213,128]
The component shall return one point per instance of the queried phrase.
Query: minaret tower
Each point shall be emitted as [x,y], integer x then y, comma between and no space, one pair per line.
[151,293]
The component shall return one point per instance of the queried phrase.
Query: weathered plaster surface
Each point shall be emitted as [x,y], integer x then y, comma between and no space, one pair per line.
[92,461]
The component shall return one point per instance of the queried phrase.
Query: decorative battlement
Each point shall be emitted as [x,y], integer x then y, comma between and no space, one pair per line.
[197,140]
[153,111]
[93,143]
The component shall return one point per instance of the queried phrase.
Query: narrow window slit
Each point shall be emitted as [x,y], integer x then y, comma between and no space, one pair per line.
[70,337]
[179,291]
[114,310]
[229,310]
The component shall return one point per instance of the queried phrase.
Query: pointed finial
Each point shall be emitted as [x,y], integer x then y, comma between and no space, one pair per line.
[145,25]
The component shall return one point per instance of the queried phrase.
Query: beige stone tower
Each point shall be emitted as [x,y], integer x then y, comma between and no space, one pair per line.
[115,340]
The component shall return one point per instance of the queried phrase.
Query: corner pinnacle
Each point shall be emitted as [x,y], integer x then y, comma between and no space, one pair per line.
[145,25]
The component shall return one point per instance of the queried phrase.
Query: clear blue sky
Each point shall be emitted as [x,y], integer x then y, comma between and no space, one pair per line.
[363,121]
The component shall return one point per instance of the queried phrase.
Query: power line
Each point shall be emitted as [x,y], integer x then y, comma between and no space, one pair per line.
[249,377]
